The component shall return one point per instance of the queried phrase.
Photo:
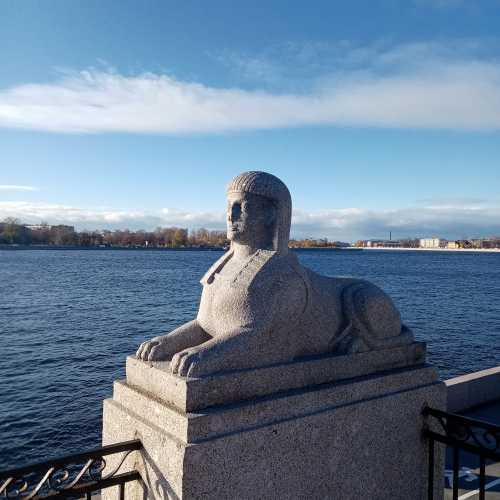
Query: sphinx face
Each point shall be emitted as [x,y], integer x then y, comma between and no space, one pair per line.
[250,219]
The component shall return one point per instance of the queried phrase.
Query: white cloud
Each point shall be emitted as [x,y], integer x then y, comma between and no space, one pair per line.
[449,220]
[106,218]
[434,85]
[14,187]
[444,221]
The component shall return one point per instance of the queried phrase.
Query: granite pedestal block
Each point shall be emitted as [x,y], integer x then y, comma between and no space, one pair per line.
[339,427]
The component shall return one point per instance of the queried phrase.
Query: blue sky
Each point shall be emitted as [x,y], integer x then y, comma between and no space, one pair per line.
[379,115]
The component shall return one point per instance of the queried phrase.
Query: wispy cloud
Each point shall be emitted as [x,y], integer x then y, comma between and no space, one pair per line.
[438,86]
[440,4]
[297,65]
[107,218]
[346,223]
[14,187]
[459,202]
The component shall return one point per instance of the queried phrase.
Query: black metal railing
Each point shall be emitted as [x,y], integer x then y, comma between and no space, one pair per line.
[462,433]
[74,476]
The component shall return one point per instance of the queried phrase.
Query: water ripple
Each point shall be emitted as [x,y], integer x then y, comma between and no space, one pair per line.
[69,318]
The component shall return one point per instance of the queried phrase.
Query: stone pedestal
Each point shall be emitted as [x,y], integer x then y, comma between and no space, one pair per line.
[339,427]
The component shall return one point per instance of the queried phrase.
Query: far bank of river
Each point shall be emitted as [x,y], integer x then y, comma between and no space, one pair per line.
[64,247]
[219,249]
[482,250]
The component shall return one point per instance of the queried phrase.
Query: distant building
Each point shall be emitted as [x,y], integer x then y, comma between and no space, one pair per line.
[374,243]
[491,243]
[63,227]
[47,227]
[391,243]
[431,242]
[378,243]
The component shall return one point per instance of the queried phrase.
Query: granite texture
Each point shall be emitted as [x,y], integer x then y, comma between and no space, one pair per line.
[160,463]
[190,394]
[356,438]
[259,306]
[288,384]
[224,419]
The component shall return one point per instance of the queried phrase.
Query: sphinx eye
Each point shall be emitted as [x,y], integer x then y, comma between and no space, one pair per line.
[234,209]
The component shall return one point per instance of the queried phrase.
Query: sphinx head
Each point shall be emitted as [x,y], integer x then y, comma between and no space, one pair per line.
[259,211]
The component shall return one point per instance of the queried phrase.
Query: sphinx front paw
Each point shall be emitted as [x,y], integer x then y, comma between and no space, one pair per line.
[192,362]
[157,349]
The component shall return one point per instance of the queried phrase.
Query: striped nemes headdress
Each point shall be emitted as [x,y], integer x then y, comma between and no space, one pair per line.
[269,186]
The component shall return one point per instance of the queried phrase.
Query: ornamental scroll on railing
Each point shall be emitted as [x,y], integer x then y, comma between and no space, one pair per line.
[72,476]
[462,433]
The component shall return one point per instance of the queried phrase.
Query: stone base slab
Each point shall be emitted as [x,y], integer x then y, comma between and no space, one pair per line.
[356,438]
[190,394]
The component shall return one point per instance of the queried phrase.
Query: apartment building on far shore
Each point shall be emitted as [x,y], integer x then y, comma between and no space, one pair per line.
[432,243]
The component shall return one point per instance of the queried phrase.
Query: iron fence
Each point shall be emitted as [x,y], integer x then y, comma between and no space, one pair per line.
[72,476]
[462,433]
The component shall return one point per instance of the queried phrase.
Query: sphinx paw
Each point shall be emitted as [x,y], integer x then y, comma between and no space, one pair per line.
[145,348]
[157,349]
[184,363]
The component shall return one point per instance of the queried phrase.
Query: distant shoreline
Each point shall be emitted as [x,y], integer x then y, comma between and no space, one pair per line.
[481,250]
[337,249]
[219,249]
[158,249]
[63,247]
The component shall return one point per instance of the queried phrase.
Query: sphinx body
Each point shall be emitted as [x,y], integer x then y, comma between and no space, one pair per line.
[286,311]
[259,306]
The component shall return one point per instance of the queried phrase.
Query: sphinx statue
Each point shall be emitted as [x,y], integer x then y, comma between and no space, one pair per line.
[260,306]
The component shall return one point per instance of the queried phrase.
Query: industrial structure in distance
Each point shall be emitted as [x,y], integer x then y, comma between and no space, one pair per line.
[433,243]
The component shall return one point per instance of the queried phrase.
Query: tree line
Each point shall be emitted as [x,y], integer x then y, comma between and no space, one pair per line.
[317,243]
[13,232]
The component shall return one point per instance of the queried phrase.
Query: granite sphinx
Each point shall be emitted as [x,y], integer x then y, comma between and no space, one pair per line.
[260,306]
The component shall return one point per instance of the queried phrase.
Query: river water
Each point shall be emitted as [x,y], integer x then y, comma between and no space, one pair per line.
[68,319]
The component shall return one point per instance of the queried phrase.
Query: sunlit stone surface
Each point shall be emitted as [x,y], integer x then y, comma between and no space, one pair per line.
[287,385]
[259,306]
